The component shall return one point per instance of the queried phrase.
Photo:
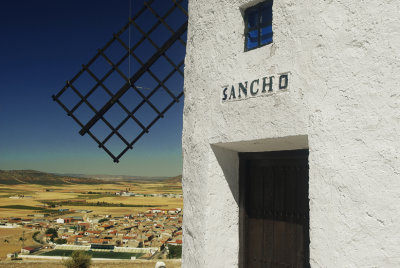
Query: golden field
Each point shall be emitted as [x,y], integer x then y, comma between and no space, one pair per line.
[10,240]
[36,196]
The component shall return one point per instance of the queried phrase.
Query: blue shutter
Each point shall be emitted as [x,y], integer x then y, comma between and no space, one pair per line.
[266,24]
[258,25]
[266,14]
[252,18]
[266,35]
[252,39]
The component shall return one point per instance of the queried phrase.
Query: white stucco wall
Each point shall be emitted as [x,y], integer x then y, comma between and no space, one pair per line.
[343,104]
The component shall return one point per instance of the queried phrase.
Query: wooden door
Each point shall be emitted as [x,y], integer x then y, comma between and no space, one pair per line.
[274,209]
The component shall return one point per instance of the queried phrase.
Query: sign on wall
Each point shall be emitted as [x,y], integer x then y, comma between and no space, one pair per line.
[256,88]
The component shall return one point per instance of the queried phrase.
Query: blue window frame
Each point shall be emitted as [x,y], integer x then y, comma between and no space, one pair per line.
[258,30]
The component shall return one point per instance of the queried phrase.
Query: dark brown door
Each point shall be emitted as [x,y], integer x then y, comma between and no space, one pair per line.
[274,209]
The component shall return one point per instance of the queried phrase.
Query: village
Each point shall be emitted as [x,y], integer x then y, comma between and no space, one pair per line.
[138,235]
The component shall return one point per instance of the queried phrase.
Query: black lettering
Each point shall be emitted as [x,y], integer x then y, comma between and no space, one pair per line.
[232,96]
[224,94]
[269,84]
[252,86]
[283,81]
[243,88]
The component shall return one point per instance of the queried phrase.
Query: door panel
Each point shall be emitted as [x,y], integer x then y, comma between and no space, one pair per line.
[276,210]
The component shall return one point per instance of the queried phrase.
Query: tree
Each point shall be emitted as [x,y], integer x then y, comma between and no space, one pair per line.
[52,231]
[34,237]
[174,252]
[60,241]
[22,239]
[79,259]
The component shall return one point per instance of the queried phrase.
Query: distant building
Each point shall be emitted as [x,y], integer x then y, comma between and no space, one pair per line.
[44,215]
[155,210]
[29,250]
[63,209]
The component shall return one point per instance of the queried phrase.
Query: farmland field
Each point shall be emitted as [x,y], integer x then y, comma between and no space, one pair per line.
[10,240]
[22,199]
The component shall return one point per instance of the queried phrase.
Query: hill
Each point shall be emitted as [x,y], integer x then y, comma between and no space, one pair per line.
[41,178]
[174,179]
[125,178]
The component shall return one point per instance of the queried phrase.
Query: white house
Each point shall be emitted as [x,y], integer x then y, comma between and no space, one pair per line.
[154,210]
[291,134]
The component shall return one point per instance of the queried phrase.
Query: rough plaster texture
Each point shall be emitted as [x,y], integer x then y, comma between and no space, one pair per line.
[343,104]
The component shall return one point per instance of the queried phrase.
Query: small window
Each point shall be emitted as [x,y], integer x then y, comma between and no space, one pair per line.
[258,29]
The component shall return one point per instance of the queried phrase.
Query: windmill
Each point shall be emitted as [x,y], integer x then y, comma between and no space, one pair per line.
[134,73]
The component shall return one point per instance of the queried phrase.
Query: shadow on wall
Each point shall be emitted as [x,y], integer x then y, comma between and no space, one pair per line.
[228,157]
[228,161]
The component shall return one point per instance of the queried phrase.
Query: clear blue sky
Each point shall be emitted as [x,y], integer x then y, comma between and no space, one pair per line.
[43,44]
